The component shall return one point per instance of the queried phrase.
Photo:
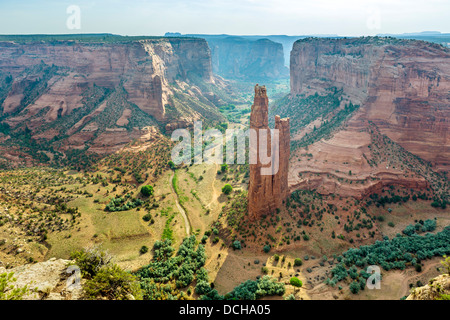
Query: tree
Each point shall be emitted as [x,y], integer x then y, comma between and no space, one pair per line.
[202,287]
[113,283]
[266,248]
[355,287]
[298,262]
[143,250]
[171,164]
[224,168]
[147,191]
[227,189]
[237,245]
[296,282]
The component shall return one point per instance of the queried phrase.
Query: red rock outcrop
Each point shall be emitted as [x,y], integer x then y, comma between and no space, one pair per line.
[402,85]
[266,192]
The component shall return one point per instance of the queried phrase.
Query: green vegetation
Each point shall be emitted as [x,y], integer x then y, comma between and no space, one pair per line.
[227,189]
[325,131]
[147,191]
[112,283]
[7,289]
[421,226]
[446,264]
[250,290]
[105,280]
[167,273]
[397,253]
[296,282]
[123,204]
[303,110]
[168,232]
[298,262]
[237,245]
[143,250]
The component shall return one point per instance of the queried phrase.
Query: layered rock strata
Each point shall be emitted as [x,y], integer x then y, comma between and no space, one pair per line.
[266,191]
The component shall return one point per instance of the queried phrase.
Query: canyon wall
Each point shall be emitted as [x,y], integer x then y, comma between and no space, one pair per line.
[402,85]
[236,57]
[145,68]
[100,92]
[247,57]
[266,192]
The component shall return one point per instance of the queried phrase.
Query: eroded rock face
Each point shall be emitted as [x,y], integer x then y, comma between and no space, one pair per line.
[266,192]
[237,57]
[145,68]
[45,280]
[99,95]
[402,85]
[433,290]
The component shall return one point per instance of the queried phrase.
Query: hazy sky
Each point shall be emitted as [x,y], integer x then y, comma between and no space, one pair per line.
[245,17]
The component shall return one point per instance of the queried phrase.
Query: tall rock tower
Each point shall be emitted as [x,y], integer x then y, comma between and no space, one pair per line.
[267,192]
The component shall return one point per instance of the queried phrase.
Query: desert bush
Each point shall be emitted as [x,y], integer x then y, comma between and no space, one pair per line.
[7,289]
[237,245]
[91,260]
[147,191]
[113,283]
[298,262]
[296,282]
[227,189]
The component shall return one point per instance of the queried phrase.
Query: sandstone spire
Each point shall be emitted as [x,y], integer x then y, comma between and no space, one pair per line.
[267,192]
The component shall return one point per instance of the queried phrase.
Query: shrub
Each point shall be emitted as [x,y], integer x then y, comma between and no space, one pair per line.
[143,250]
[147,217]
[296,282]
[8,291]
[298,262]
[227,189]
[446,263]
[355,287]
[251,290]
[266,248]
[237,245]
[147,191]
[202,287]
[91,260]
[113,283]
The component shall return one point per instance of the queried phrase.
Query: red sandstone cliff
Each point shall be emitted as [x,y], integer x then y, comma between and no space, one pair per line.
[266,192]
[100,95]
[402,87]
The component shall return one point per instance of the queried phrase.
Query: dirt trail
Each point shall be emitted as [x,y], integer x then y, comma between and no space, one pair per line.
[180,208]
[213,188]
